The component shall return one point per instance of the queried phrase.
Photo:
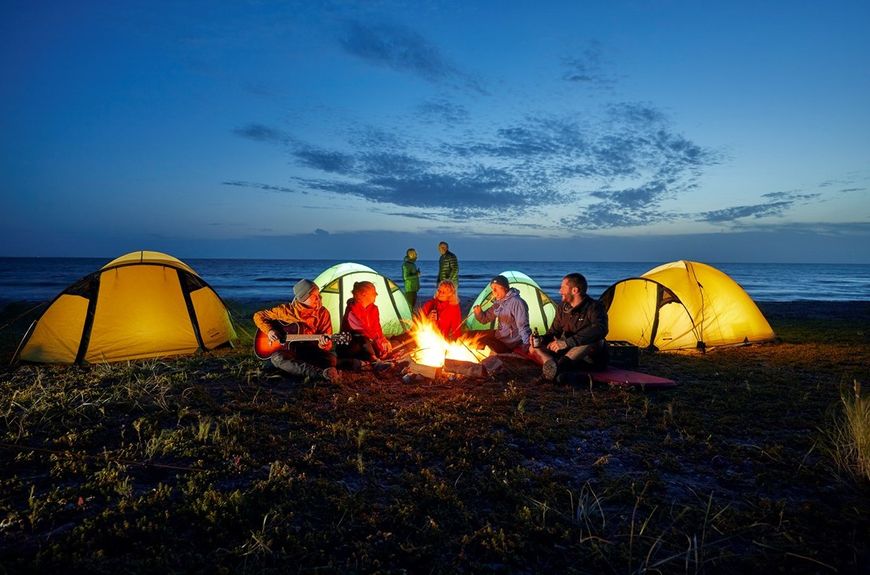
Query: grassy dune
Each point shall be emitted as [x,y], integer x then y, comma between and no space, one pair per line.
[212,464]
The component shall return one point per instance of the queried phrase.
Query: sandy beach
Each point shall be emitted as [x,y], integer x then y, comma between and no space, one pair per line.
[212,463]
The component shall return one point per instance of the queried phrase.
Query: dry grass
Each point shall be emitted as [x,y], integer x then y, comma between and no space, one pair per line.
[849,435]
[212,464]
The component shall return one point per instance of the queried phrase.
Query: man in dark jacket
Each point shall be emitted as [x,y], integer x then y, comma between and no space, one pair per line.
[448,266]
[575,341]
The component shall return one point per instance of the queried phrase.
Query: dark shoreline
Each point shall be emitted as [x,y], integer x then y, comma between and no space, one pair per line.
[792,309]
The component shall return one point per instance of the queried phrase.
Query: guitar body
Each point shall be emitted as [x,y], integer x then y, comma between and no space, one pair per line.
[263,348]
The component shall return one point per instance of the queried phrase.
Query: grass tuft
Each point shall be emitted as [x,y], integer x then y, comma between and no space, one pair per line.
[849,435]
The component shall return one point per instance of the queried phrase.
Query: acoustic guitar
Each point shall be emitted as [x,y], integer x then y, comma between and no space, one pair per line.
[263,348]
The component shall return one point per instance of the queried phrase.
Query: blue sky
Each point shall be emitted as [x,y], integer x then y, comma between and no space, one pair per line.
[635,131]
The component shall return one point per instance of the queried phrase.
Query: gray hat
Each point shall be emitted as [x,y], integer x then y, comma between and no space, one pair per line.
[502,281]
[302,288]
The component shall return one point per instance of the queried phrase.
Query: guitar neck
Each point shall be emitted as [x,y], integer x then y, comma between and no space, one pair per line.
[288,338]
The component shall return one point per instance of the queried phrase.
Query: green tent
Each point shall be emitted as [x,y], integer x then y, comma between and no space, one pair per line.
[337,282]
[542,310]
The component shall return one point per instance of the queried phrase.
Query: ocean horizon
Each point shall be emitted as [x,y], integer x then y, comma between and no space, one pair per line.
[271,280]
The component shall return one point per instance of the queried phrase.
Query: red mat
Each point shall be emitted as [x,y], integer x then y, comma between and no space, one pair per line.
[624,377]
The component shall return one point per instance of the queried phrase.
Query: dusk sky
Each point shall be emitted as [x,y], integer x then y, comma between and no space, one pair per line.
[583,131]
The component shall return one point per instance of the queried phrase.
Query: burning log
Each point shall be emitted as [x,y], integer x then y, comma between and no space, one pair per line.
[466,368]
[428,371]
[435,355]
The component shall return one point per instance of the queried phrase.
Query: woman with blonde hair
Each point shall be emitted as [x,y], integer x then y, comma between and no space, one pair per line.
[444,310]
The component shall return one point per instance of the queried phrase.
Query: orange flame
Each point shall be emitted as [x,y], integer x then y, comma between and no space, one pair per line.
[433,348]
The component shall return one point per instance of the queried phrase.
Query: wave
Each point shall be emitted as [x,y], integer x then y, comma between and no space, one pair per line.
[275,280]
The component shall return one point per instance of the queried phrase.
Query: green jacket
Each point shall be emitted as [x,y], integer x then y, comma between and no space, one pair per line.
[411,274]
[448,268]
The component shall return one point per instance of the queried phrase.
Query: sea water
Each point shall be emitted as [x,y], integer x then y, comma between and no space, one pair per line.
[41,279]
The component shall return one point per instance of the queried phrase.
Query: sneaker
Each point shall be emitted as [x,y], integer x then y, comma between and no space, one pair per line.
[331,375]
[549,370]
[381,366]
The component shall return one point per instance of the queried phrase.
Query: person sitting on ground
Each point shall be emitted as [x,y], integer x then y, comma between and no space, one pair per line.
[444,310]
[362,319]
[307,316]
[575,342]
[512,312]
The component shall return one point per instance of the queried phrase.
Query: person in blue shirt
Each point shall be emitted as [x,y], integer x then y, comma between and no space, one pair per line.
[513,332]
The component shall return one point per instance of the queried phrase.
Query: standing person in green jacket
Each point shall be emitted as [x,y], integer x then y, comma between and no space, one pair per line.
[448,266]
[411,274]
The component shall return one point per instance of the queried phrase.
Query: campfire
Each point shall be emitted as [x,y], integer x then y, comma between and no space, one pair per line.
[434,354]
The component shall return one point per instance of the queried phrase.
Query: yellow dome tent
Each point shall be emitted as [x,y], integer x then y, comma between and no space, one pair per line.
[336,283]
[142,304]
[683,305]
[542,310]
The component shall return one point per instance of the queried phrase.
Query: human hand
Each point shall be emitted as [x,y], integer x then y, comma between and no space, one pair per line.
[273,336]
[477,309]
[324,342]
[557,345]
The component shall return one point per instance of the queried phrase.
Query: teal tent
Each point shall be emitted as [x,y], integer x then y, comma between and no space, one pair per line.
[542,310]
[336,284]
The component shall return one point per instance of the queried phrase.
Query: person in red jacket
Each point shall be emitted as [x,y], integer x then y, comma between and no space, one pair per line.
[362,319]
[444,310]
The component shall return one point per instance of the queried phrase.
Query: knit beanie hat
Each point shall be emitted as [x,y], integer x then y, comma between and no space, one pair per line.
[302,288]
[502,281]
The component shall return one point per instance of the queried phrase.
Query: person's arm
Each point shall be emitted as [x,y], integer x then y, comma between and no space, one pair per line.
[595,330]
[554,332]
[355,323]
[483,316]
[324,326]
[453,322]
[269,322]
[522,319]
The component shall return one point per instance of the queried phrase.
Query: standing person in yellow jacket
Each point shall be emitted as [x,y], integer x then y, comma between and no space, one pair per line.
[307,316]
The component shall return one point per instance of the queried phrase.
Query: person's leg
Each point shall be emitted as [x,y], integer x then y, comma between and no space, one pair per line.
[292,366]
[540,355]
[574,367]
[313,354]
[360,348]
[306,362]
[495,344]
[589,357]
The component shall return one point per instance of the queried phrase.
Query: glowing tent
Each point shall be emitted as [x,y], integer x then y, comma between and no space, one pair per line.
[143,304]
[542,310]
[337,282]
[683,305]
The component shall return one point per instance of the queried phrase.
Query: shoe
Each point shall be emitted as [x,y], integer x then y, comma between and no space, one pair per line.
[331,375]
[381,366]
[549,370]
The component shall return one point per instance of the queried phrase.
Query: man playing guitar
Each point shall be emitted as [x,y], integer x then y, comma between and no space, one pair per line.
[306,315]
